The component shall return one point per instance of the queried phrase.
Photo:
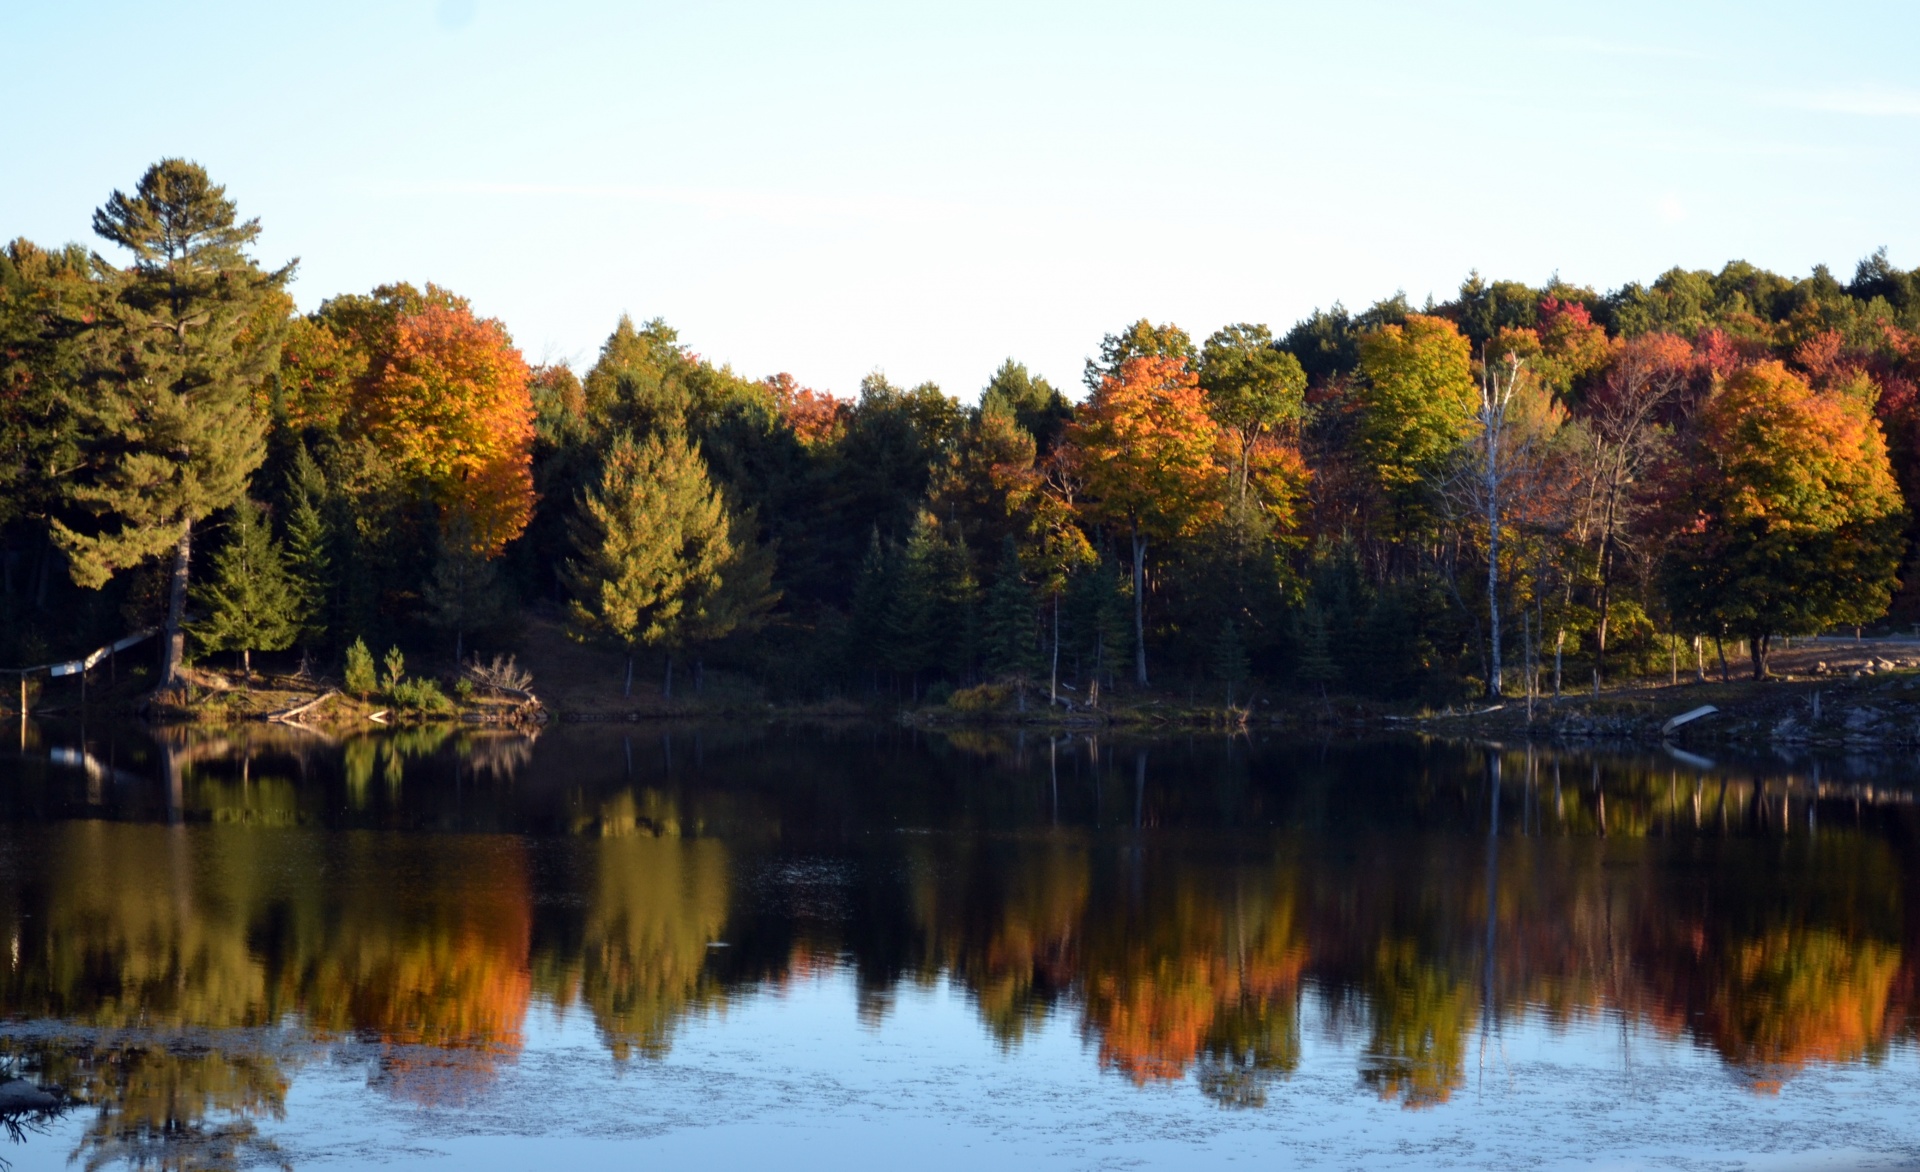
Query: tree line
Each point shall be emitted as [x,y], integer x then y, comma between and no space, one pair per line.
[1484,494]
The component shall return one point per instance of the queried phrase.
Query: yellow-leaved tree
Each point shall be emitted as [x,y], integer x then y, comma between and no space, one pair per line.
[1143,448]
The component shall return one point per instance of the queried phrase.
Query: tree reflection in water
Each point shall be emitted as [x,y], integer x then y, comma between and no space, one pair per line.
[415,894]
[152,1105]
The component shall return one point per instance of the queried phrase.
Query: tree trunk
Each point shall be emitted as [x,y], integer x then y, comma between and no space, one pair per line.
[1493,593]
[1759,647]
[666,693]
[1606,585]
[459,647]
[246,665]
[627,693]
[1053,686]
[1139,607]
[699,675]
[1720,646]
[1526,657]
[1493,419]
[173,641]
[1559,644]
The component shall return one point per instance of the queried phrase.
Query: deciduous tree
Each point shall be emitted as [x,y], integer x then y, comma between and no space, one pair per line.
[1788,519]
[1418,405]
[446,397]
[1143,446]
[1254,390]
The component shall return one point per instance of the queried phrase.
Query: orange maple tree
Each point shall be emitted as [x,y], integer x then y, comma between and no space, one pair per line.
[1786,518]
[814,416]
[1143,447]
[447,400]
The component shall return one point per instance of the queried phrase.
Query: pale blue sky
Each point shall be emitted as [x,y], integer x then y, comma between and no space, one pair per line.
[928,188]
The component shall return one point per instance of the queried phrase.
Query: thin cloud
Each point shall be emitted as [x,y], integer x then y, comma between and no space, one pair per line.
[783,207]
[1865,101]
[1602,48]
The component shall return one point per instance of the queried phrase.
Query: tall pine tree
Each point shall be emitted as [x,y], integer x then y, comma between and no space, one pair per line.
[166,407]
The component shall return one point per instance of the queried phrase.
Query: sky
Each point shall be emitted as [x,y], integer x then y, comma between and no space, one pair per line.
[927,189]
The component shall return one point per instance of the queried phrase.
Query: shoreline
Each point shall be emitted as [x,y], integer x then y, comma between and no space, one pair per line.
[1859,696]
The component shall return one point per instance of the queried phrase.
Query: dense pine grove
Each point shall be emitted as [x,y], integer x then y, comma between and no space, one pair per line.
[1518,487]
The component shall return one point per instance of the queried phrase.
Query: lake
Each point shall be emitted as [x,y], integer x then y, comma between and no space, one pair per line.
[869,947]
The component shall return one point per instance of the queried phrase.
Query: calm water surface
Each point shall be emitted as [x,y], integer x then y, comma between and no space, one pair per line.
[871,948]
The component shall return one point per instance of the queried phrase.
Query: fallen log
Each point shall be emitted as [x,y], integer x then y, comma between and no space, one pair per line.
[1686,718]
[289,715]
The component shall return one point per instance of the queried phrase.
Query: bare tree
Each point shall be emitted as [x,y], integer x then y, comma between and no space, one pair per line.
[1622,438]
[1496,473]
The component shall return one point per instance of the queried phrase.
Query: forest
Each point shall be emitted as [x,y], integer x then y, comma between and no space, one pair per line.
[1521,488]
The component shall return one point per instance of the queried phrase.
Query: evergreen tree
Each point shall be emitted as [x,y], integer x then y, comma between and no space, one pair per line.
[309,541]
[1230,658]
[739,602]
[1315,668]
[651,541]
[1040,409]
[872,599]
[166,407]
[1113,618]
[47,297]
[360,677]
[251,602]
[1009,634]
[916,620]
[464,594]
[960,601]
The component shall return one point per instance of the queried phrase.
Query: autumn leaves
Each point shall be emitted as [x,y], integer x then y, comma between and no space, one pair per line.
[1400,503]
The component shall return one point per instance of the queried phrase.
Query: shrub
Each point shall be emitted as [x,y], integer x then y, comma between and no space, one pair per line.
[361,680]
[418,696]
[463,688]
[982,698]
[503,672]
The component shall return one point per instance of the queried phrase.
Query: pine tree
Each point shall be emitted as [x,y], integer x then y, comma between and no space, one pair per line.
[464,594]
[739,601]
[1315,667]
[166,407]
[651,541]
[1114,619]
[360,677]
[872,600]
[252,603]
[1230,658]
[960,603]
[916,620]
[309,542]
[1009,634]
